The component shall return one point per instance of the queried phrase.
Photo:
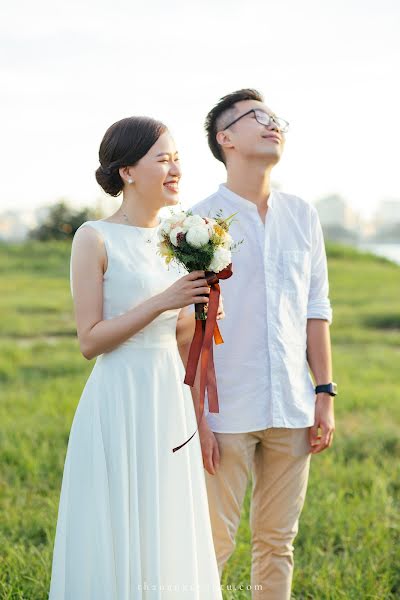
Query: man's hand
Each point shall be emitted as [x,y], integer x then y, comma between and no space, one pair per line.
[325,421]
[209,447]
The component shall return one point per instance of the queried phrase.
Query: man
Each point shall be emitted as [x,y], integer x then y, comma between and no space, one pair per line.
[278,314]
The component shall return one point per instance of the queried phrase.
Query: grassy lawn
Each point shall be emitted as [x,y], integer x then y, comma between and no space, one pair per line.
[348,545]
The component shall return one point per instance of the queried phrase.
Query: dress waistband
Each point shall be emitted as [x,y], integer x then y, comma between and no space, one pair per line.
[141,342]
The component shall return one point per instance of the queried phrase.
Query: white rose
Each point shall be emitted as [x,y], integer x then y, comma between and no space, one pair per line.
[177,218]
[174,233]
[180,215]
[165,227]
[221,259]
[193,221]
[198,236]
[169,222]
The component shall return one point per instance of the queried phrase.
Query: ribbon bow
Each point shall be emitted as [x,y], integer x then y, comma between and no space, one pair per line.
[202,345]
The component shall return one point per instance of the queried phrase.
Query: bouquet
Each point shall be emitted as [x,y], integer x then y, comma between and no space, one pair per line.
[197,243]
[204,244]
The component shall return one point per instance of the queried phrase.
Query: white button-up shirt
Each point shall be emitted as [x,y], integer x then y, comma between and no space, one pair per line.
[279,281]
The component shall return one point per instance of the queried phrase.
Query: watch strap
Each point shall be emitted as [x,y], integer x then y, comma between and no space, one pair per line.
[326,388]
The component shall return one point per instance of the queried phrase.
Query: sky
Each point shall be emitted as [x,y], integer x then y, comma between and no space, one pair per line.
[70,69]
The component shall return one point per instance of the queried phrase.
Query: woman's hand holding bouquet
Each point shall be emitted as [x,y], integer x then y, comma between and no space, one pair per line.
[201,244]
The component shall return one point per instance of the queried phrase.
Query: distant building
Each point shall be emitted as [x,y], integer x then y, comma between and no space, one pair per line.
[387,222]
[388,213]
[334,211]
[339,221]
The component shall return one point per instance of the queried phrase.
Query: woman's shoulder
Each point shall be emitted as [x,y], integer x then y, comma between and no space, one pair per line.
[92,224]
[92,229]
[88,247]
[88,235]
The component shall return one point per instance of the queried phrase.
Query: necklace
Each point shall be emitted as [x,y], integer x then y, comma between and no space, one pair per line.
[147,237]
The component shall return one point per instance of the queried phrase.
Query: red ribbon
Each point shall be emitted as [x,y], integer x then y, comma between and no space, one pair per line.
[202,349]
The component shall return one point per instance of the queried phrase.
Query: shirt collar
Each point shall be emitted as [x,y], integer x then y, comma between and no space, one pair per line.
[229,195]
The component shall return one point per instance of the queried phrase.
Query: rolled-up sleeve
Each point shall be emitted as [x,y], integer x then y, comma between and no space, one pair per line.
[319,306]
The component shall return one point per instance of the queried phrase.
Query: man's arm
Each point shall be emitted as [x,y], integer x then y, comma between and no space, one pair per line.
[319,350]
[319,317]
[320,362]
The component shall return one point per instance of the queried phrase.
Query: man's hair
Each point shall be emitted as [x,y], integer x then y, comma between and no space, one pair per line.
[223,112]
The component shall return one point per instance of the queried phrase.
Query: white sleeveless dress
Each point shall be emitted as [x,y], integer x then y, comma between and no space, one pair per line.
[133,520]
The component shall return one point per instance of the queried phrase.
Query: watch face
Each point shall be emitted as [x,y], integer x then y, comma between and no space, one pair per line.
[334,387]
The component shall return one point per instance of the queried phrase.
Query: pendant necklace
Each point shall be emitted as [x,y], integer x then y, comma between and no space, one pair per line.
[148,238]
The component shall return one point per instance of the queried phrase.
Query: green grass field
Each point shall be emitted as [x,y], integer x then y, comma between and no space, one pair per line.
[348,546]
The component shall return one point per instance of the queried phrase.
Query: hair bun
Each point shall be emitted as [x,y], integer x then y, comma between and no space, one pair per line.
[110,180]
[105,170]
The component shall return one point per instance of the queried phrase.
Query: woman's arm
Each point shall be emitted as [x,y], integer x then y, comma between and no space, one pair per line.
[185,327]
[97,335]
[209,444]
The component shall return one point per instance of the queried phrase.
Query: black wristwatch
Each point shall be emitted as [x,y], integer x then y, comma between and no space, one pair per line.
[327,388]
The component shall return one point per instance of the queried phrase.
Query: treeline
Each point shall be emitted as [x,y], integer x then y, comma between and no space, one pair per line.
[62,221]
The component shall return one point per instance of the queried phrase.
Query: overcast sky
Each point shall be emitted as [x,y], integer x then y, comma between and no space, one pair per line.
[70,69]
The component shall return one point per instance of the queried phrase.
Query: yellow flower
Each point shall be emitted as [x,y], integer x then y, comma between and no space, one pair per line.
[166,251]
[219,231]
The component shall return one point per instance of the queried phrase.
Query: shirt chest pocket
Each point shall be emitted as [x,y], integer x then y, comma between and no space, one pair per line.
[294,297]
[296,273]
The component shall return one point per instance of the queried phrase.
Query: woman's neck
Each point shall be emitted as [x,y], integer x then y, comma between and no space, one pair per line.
[137,213]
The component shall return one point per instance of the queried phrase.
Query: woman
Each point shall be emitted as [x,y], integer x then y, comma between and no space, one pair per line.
[133,517]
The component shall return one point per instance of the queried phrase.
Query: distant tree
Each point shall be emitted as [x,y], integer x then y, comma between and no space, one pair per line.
[336,233]
[388,234]
[62,222]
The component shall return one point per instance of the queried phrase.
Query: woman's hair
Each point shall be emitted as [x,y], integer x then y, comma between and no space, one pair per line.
[123,145]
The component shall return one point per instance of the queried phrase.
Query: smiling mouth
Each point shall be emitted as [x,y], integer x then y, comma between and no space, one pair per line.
[272,137]
[173,187]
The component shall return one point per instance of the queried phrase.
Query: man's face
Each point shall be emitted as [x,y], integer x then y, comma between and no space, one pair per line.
[248,137]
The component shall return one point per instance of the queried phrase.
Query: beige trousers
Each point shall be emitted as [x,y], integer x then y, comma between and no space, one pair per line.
[279,460]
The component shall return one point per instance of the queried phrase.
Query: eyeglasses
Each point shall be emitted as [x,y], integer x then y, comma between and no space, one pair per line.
[264,119]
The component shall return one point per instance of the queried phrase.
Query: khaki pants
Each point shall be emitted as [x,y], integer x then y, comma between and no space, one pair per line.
[279,459]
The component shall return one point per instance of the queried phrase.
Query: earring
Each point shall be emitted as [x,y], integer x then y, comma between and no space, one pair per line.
[130,180]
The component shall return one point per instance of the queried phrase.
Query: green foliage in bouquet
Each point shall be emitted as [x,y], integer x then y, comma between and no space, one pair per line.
[197,243]
[194,261]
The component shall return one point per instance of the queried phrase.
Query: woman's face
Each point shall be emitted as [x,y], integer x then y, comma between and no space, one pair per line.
[156,176]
